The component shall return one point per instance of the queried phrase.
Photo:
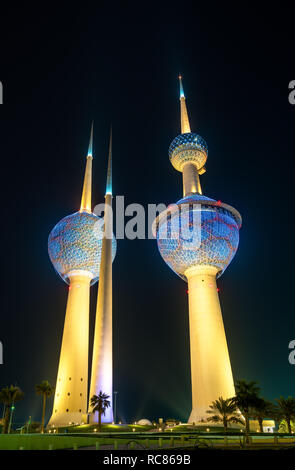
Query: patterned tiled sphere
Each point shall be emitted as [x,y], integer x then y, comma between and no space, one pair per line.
[188,147]
[198,231]
[75,243]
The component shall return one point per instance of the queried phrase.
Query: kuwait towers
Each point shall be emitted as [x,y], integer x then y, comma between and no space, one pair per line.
[75,249]
[198,237]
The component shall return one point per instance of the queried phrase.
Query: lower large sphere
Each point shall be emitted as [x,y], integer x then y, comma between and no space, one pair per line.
[75,244]
[199,231]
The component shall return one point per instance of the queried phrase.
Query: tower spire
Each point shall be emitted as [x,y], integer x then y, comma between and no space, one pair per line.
[185,125]
[86,194]
[109,173]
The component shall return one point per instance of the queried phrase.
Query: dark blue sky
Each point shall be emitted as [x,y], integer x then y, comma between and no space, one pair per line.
[62,68]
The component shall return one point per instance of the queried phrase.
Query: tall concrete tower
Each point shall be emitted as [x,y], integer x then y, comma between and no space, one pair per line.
[74,247]
[198,237]
[102,359]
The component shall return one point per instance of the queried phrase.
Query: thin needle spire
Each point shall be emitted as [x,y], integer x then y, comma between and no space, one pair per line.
[86,194]
[109,188]
[185,126]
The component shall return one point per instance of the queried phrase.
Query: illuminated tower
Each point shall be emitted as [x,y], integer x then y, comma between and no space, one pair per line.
[198,237]
[74,247]
[102,359]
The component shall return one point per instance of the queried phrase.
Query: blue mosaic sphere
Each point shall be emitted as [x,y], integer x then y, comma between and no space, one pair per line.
[188,147]
[75,243]
[198,231]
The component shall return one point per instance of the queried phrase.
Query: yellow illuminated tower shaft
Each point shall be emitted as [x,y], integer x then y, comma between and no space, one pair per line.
[211,373]
[102,359]
[70,400]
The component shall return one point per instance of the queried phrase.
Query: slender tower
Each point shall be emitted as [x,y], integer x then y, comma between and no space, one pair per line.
[74,247]
[102,359]
[198,237]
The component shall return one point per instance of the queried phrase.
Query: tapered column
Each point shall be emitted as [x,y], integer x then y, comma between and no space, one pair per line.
[211,373]
[86,193]
[191,179]
[102,360]
[70,401]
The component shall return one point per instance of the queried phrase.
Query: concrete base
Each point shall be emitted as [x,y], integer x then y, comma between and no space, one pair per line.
[67,419]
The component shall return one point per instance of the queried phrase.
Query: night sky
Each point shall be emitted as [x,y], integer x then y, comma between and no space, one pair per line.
[119,64]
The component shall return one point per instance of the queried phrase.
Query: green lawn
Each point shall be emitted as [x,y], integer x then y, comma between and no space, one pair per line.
[42,442]
[45,441]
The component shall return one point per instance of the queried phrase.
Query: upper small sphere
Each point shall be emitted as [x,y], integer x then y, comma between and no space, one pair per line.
[188,148]
[75,244]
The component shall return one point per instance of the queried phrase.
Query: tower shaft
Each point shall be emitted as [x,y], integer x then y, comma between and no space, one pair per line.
[70,400]
[191,179]
[211,373]
[102,360]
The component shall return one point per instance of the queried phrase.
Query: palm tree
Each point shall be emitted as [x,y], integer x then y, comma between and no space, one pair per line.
[46,390]
[247,396]
[261,410]
[100,403]
[287,410]
[224,411]
[9,396]
[283,427]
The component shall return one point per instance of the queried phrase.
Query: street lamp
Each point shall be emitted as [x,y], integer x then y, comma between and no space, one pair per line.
[115,407]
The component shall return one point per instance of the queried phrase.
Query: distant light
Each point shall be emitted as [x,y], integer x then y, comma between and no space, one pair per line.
[219,202]
[133,429]
[187,291]
[218,290]
[207,429]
